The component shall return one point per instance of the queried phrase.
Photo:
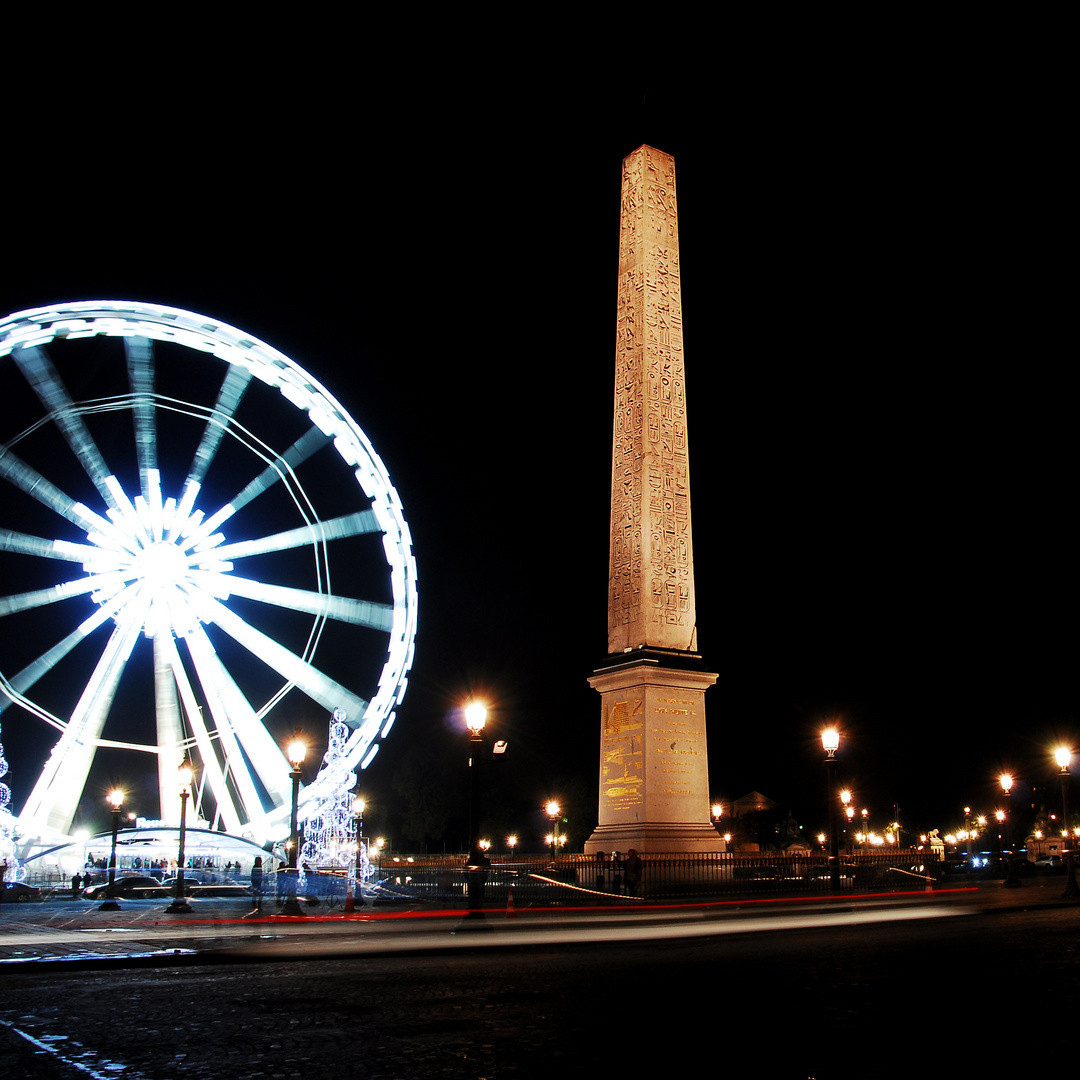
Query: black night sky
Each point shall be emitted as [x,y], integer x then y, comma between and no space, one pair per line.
[880,420]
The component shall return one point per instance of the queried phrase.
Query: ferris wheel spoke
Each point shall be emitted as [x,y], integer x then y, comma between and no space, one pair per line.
[308,444]
[236,721]
[33,671]
[317,685]
[111,565]
[169,670]
[55,798]
[170,752]
[9,605]
[304,447]
[38,370]
[358,524]
[25,544]
[99,529]
[324,605]
[140,365]
[29,480]
[228,400]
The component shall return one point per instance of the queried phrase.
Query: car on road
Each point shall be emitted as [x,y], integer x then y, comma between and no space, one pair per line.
[17,892]
[133,886]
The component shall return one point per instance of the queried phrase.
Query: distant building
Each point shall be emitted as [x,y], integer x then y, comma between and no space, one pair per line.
[759,823]
[751,803]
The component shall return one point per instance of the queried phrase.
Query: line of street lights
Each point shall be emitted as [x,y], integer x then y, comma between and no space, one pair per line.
[475,720]
[830,741]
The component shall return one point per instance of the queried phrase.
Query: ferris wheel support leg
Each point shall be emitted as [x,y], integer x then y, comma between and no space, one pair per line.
[169,734]
[55,798]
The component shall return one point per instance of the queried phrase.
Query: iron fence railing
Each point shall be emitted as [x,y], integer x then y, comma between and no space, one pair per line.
[585,880]
[582,879]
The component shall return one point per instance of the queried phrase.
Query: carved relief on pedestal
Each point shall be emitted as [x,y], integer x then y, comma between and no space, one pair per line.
[622,770]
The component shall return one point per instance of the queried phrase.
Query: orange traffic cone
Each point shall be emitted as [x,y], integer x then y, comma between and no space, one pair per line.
[510,905]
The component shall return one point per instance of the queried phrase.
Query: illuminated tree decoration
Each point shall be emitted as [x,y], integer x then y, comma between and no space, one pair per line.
[330,834]
[212,533]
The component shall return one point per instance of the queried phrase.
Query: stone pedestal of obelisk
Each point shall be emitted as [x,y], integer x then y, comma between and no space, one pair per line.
[654,766]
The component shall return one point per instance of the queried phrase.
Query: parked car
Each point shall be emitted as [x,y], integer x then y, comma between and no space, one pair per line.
[134,886]
[193,886]
[1050,862]
[17,892]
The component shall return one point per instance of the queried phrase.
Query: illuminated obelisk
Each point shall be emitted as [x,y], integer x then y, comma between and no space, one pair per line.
[654,772]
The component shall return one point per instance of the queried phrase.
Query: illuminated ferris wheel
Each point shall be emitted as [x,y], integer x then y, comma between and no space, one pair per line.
[198,546]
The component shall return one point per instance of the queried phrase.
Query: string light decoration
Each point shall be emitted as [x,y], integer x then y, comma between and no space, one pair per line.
[330,839]
[14,870]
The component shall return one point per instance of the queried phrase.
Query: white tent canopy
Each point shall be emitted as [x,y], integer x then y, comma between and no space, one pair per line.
[150,844]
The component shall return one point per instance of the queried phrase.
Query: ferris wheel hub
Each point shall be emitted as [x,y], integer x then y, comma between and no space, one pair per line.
[162,566]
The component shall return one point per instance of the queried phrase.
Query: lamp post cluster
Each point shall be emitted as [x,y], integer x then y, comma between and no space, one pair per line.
[296,751]
[478,861]
[830,742]
[975,825]
[552,809]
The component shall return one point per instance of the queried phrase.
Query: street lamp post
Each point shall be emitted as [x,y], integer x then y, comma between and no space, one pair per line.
[830,741]
[185,775]
[717,814]
[115,799]
[359,806]
[552,811]
[475,720]
[1063,756]
[1011,881]
[478,862]
[356,872]
[296,751]
[849,813]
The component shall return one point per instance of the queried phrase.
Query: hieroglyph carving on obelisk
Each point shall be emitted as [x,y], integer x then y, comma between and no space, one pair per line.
[651,601]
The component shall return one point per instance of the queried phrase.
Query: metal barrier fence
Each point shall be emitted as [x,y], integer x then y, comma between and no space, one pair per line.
[582,879]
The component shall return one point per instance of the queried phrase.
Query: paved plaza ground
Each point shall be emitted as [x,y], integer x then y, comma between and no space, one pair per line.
[852,987]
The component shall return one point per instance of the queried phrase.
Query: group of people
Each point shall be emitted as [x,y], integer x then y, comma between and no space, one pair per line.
[629,870]
[96,869]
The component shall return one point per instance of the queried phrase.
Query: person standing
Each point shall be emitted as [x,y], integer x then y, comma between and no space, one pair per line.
[632,872]
[257,881]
